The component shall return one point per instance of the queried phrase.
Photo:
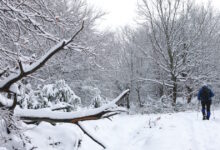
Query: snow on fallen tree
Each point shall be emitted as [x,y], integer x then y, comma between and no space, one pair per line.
[105,111]
[5,101]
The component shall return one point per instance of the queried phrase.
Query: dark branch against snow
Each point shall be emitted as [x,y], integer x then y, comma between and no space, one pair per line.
[25,70]
[82,127]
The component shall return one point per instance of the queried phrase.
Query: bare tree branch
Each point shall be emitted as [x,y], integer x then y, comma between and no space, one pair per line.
[13,78]
[88,134]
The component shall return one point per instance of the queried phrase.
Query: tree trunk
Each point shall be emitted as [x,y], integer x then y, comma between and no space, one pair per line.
[174,91]
[189,94]
[127,98]
[139,97]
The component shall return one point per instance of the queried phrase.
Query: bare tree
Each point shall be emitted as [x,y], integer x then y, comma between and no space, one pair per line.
[179,32]
[31,33]
[28,29]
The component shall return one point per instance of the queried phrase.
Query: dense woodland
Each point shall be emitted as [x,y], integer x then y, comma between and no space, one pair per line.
[53,56]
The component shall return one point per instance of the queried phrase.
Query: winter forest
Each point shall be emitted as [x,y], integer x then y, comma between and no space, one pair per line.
[66,85]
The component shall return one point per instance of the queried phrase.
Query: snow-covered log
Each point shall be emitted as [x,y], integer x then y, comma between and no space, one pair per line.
[105,111]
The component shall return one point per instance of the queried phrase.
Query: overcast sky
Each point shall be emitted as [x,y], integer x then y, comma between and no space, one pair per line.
[122,12]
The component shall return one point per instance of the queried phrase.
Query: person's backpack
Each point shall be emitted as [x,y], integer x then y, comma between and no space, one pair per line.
[205,93]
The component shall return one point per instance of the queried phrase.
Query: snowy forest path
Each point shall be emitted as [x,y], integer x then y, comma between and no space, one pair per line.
[178,131]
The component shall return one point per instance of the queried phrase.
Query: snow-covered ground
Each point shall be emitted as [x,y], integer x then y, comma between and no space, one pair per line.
[179,131]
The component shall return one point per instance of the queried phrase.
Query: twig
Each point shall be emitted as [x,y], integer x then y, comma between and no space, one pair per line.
[95,140]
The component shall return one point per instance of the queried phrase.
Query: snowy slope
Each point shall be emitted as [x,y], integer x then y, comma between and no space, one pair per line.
[179,131]
[59,137]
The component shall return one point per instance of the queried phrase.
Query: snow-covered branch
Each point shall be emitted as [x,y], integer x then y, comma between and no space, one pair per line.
[72,117]
[25,70]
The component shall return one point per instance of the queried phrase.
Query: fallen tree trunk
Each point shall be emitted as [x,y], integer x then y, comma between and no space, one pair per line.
[52,117]
[72,117]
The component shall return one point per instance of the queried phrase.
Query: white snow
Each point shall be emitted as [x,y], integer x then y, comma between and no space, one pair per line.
[180,131]
[5,101]
[176,131]
[59,137]
[14,88]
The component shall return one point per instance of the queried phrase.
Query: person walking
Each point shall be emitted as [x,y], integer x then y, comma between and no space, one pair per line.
[205,95]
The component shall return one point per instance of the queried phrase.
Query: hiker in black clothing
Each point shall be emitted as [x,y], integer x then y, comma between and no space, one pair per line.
[205,94]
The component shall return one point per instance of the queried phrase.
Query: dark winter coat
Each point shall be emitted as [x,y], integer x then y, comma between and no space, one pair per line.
[211,94]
